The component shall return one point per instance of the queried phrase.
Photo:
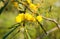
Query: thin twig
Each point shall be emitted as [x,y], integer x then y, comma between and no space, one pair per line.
[52,20]
[55,28]
[15,34]
[13,26]
[10,32]
[41,26]
[1,10]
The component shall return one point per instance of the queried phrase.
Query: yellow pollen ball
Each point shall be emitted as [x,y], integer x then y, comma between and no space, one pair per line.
[20,18]
[39,18]
[29,1]
[33,7]
[15,4]
[29,17]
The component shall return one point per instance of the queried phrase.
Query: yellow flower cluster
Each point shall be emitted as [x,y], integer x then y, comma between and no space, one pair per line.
[21,17]
[32,6]
[15,4]
[39,18]
[26,16]
[29,17]
[29,1]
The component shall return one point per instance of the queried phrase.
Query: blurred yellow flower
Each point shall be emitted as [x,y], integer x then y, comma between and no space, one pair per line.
[15,4]
[26,16]
[33,7]
[29,1]
[20,18]
[39,18]
[29,17]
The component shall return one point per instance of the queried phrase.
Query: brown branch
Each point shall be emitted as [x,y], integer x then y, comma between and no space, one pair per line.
[41,26]
[55,28]
[5,5]
[48,32]
[52,20]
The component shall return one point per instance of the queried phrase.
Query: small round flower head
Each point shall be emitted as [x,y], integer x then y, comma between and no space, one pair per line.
[29,17]
[33,7]
[20,18]
[39,18]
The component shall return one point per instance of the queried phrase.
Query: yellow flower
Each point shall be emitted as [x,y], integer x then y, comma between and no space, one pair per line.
[20,18]
[39,18]
[26,16]
[29,17]
[33,7]
[15,4]
[29,1]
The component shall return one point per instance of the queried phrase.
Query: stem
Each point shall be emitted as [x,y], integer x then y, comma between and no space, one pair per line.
[29,37]
[1,10]
[10,32]
[15,34]
[42,27]
[52,20]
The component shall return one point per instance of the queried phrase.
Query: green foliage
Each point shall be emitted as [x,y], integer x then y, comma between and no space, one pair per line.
[47,9]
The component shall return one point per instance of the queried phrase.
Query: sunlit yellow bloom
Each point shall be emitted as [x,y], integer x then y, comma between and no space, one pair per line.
[29,17]
[29,1]
[33,7]
[39,18]
[26,16]
[20,17]
[16,4]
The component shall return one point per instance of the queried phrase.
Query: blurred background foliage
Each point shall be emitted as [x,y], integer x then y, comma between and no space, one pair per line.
[7,18]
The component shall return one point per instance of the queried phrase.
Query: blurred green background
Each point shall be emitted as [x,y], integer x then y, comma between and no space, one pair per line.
[7,19]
